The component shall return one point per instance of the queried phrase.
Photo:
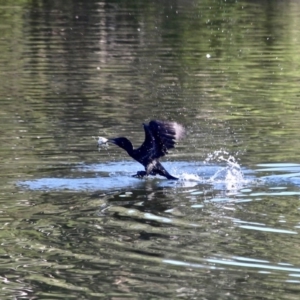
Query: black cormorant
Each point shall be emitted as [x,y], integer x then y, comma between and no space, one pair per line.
[159,137]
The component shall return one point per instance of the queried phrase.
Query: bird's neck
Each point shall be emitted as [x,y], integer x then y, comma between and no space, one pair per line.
[128,148]
[129,151]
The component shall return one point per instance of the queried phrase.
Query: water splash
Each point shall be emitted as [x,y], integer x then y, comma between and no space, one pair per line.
[189,180]
[231,174]
[228,176]
[220,170]
[190,177]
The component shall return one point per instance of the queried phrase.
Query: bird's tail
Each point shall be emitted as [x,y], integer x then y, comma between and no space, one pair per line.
[170,177]
[160,170]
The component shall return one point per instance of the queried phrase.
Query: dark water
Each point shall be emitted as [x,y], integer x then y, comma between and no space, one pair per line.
[75,224]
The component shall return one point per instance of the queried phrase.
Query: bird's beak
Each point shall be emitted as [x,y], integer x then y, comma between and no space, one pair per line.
[111,141]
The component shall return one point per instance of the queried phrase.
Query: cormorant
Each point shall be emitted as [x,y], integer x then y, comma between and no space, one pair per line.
[159,137]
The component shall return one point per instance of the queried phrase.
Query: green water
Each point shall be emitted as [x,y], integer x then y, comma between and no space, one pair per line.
[75,224]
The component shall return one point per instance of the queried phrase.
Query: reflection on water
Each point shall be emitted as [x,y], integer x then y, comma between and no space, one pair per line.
[75,224]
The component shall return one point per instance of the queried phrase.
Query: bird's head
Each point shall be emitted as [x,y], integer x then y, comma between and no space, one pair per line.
[122,142]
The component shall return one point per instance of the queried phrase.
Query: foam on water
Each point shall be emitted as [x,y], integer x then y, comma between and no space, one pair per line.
[190,177]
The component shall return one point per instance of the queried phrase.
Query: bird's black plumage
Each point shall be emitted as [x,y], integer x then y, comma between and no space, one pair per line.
[160,136]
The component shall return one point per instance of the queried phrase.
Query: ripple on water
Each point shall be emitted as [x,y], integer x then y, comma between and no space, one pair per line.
[233,182]
[108,176]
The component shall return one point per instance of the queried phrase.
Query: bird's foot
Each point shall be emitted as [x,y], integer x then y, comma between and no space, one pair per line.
[140,174]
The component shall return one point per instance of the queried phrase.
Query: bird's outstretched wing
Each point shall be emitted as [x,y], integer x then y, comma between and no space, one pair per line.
[161,136]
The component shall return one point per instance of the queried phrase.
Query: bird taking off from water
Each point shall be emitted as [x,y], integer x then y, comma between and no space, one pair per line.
[160,136]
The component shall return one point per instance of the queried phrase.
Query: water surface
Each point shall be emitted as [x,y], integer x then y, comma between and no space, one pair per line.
[75,224]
